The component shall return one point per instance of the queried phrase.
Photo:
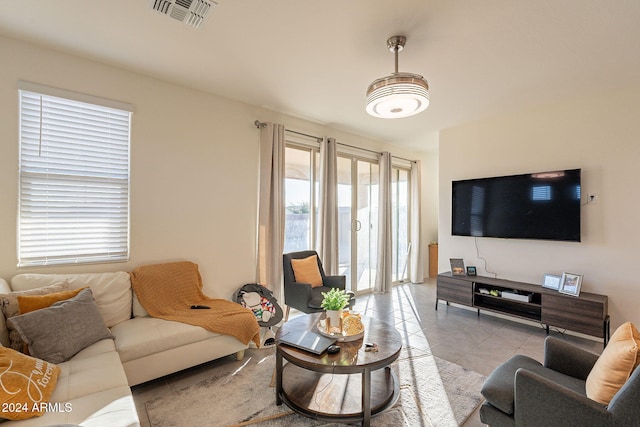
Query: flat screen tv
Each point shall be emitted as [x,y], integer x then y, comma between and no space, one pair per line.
[542,205]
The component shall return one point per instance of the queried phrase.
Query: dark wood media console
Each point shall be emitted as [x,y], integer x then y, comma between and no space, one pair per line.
[586,314]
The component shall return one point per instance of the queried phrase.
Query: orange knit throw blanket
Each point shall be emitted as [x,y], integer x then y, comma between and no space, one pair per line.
[168,291]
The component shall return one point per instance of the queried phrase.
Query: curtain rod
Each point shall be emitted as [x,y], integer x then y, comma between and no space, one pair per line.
[260,124]
[373,151]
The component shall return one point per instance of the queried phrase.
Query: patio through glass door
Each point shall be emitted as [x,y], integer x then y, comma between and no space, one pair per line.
[358,221]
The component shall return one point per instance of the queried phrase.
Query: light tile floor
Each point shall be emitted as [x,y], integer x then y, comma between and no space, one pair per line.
[452,332]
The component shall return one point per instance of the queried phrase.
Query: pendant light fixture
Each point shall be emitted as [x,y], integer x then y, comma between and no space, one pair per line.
[399,94]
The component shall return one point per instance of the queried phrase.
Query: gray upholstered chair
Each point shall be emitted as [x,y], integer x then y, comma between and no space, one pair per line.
[302,296]
[524,392]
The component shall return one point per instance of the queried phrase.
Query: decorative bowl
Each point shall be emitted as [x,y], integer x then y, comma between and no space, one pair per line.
[341,337]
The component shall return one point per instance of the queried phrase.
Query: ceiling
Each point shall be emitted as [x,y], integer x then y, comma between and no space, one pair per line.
[314,59]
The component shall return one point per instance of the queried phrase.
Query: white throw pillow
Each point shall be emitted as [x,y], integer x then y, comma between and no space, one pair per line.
[112,291]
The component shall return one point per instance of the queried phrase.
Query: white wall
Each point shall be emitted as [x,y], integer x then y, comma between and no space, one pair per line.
[430,168]
[599,133]
[194,166]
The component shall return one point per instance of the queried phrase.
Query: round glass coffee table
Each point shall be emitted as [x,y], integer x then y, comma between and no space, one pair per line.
[351,385]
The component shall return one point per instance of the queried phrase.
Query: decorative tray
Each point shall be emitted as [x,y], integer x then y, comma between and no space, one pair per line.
[341,337]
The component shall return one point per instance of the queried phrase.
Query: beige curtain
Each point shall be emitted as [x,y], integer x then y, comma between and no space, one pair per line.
[416,263]
[384,275]
[271,209]
[327,237]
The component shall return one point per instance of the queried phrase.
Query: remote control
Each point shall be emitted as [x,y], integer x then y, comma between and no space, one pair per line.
[200,307]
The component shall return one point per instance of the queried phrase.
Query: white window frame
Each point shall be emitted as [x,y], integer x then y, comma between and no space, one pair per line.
[74,178]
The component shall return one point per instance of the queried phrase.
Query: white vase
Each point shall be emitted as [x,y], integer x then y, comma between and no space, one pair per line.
[334,321]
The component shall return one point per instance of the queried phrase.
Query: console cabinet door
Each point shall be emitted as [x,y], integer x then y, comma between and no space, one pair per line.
[585,314]
[455,290]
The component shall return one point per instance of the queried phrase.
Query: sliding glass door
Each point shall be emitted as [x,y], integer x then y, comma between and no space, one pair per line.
[358,195]
[400,222]
[301,193]
[358,221]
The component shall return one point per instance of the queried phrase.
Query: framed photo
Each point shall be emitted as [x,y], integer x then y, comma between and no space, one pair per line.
[551,282]
[570,284]
[471,271]
[457,266]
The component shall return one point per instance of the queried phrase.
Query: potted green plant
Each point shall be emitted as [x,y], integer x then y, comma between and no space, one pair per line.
[334,302]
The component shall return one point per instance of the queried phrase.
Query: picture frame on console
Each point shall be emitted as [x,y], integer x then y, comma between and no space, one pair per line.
[457,266]
[570,284]
[471,271]
[551,281]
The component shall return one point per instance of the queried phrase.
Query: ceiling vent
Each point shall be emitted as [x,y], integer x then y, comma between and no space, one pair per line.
[191,12]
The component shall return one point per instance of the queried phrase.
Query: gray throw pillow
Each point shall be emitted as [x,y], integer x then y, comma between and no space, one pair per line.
[11,308]
[60,331]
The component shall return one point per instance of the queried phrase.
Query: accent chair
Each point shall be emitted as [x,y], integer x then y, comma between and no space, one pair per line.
[299,293]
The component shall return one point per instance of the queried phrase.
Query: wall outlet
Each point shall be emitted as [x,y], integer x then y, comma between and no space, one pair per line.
[592,198]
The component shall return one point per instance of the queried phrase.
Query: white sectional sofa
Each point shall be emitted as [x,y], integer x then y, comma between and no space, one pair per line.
[95,383]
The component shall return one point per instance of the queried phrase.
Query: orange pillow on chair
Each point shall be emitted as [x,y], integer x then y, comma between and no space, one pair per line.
[306,270]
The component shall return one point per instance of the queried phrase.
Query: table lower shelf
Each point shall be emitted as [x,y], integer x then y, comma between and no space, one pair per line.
[336,397]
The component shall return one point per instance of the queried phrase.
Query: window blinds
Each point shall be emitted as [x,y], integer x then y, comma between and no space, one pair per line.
[74,181]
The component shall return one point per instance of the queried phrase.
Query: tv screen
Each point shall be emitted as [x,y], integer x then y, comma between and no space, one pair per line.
[542,205]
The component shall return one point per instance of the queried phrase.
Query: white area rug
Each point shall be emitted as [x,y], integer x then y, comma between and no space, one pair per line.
[433,392]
